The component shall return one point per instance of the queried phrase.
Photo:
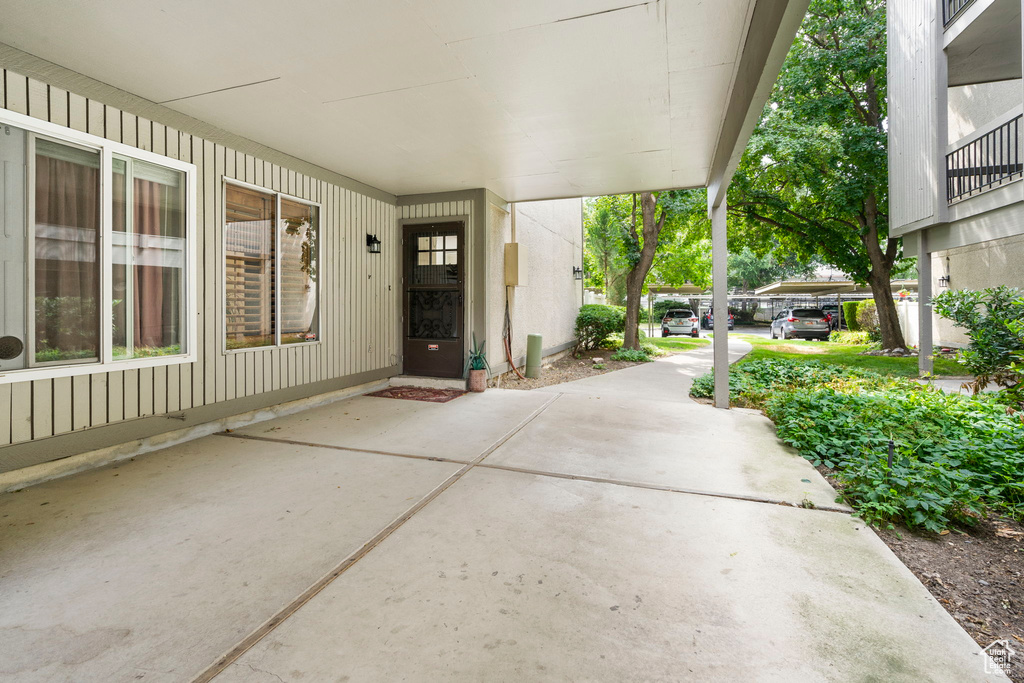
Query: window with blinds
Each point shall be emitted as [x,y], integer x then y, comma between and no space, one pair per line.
[270,269]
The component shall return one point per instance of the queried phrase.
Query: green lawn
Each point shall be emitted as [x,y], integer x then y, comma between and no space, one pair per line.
[676,343]
[841,354]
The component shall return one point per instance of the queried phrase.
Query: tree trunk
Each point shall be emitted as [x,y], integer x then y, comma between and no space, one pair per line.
[634,290]
[651,228]
[888,319]
[880,277]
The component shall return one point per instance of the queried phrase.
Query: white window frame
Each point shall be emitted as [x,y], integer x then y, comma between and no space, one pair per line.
[107,150]
[278,196]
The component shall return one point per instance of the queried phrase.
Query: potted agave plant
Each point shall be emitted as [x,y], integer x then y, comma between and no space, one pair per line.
[477,368]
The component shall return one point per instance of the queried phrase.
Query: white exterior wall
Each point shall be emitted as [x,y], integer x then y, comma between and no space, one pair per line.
[359,297]
[552,234]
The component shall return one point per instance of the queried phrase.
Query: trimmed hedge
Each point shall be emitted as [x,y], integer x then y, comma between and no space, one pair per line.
[850,315]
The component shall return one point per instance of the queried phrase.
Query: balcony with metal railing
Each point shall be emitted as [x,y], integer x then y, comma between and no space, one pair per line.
[951,9]
[985,162]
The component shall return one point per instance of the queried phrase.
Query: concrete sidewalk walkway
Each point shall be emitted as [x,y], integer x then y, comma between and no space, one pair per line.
[607,529]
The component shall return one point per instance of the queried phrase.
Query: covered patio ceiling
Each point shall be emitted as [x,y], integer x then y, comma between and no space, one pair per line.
[825,287]
[530,99]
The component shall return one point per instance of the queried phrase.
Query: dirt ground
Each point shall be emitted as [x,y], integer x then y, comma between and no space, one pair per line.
[977,574]
[565,369]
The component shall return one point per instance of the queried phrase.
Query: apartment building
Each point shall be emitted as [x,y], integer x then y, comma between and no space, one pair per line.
[955,146]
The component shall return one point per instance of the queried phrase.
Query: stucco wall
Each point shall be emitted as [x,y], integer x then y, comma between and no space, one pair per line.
[989,264]
[974,106]
[552,233]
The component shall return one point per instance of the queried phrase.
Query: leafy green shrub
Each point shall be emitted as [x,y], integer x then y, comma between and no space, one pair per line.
[994,322]
[956,456]
[867,319]
[849,337]
[850,315]
[595,322]
[631,355]
[614,342]
[650,349]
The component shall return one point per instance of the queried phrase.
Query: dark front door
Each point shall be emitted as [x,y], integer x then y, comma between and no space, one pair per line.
[433,283]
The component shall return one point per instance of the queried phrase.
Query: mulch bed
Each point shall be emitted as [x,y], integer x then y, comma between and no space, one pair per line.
[977,574]
[419,394]
[566,369]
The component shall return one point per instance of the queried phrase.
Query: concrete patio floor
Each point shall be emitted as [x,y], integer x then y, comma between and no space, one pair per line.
[606,529]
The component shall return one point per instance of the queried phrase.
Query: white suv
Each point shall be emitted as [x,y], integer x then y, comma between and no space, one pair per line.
[680,321]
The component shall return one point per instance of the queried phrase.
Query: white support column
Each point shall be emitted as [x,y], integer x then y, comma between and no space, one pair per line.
[720,302]
[925,343]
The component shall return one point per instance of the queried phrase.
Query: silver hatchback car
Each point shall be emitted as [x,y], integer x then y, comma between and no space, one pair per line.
[801,323]
[680,321]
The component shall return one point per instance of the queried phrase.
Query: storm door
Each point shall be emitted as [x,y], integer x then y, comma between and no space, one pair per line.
[433,280]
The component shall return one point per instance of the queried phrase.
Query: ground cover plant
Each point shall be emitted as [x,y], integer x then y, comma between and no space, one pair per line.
[955,458]
[632,355]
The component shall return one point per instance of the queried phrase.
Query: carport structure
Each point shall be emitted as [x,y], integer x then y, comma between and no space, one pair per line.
[820,288]
[402,103]
[501,536]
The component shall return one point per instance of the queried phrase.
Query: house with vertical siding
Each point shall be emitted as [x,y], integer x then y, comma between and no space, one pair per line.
[214,210]
[956,152]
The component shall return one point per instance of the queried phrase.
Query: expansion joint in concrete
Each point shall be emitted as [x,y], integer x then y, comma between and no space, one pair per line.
[295,605]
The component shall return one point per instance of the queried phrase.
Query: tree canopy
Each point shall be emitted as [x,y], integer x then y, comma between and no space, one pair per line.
[814,177]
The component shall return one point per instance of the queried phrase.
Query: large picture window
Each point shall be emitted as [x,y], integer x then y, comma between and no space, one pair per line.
[270,268]
[94,253]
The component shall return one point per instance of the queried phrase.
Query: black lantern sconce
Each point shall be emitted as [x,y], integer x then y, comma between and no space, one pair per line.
[372,244]
[944,280]
[577,273]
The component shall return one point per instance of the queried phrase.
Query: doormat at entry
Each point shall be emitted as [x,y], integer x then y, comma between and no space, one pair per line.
[419,394]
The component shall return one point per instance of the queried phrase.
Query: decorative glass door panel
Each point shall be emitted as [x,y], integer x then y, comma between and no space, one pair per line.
[434,293]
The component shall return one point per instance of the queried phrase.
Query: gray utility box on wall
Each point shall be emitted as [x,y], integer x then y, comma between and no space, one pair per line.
[515,264]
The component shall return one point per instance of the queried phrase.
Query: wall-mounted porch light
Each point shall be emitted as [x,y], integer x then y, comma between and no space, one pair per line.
[372,244]
[944,282]
[577,273]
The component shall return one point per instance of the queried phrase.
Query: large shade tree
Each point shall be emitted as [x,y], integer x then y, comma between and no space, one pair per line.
[814,176]
[659,234]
